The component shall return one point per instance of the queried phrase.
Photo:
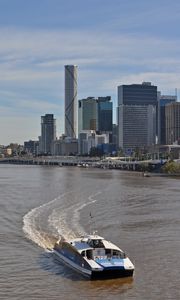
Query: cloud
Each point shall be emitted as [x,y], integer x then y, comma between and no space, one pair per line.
[46,48]
[166,82]
[32,67]
[26,104]
[36,51]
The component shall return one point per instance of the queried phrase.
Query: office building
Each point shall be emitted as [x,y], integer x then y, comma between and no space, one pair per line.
[137,126]
[90,139]
[65,146]
[137,94]
[104,114]
[87,114]
[31,147]
[71,101]
[172,119]
[163,100]
[95,114]
[48,133]
[136,114]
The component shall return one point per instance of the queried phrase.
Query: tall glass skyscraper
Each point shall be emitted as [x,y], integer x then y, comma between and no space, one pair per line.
[104,114]
[162,102]
[48,133]
[71,101]
[95,114]
[87,114]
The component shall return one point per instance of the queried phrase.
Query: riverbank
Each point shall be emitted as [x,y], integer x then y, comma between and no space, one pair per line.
[81,162]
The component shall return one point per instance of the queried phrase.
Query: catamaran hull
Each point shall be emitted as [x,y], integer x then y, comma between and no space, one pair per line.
[110,274]
[72,265]
[94,274]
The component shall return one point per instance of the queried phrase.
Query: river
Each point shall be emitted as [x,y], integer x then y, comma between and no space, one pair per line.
[40,203]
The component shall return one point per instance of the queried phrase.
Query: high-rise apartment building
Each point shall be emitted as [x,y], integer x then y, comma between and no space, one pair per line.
[136,113]
[172,116]
[48,133]
[71,101]
[95,114]
[163,100]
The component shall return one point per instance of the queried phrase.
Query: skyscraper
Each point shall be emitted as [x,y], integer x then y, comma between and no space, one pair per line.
[162,102]
[48,133]
[137,94]
[137,126]
[95,114]
[71,101]
[172,115]
[104,114]
[87,114]
[137,119]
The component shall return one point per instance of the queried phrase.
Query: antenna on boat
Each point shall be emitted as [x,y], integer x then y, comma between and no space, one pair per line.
[91,221]
[92,226]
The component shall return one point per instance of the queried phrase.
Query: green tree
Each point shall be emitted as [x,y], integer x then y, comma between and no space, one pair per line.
[171,167]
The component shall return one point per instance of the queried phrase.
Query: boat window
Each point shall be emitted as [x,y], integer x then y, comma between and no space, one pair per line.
[108,252]
[115,253]
[89,254]
[119,254]
[83,253]
[96,243]
[122,255]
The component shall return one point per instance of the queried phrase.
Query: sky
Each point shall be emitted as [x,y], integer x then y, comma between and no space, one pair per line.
[112,42]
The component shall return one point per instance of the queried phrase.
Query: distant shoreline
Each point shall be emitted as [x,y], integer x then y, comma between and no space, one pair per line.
[90,164]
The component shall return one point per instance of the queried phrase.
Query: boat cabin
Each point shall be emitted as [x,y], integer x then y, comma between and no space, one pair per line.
[97,247]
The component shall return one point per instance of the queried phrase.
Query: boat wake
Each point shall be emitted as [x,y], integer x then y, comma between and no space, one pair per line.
[58,218]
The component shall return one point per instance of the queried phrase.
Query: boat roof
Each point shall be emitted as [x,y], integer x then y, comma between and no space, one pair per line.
[80,246]
[83,243]
[93,237]
[109,245]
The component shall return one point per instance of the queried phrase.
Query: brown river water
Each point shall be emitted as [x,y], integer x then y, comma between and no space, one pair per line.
[139,214]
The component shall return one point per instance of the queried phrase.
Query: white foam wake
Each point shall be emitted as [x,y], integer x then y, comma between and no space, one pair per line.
[32,225]
[59,217]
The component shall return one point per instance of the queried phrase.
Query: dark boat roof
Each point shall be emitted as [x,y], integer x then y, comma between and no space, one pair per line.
[84,243]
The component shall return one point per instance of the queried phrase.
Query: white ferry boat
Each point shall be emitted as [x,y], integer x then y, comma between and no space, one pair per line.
[94,257]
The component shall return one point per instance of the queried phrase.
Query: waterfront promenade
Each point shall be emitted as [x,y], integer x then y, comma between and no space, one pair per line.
[106,163]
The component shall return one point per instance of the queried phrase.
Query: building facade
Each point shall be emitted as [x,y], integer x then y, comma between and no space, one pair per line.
[32,147]
[104,114]
[136,115]
[172,116]
[89,139]
[137,94]
[48,133]
[71,101]
[65,146]
[87,114]
[163,100]
[95,114]
[137,126]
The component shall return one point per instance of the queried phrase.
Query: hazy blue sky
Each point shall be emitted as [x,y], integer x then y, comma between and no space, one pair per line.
[113,42]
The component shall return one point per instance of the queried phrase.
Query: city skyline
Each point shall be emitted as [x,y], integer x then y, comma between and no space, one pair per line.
[112,43]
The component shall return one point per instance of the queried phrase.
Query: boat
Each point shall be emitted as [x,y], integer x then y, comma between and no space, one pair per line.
[94,257]
[145,174]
